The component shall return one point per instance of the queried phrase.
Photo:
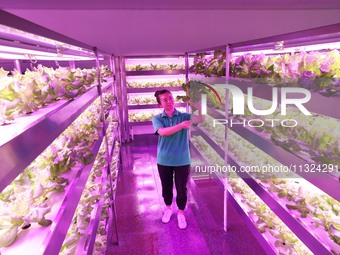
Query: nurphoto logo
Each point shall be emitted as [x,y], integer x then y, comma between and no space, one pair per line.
[238,105]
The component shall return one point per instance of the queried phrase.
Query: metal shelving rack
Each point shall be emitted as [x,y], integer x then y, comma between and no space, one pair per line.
[151,90]
[129,127]
[228,194]
[112,212]
[155,72]
[86,244]
[55,237]
[36,132]
[143,90]
[19,150]
[323,181]
[306,235]
[318,104]
[283,156]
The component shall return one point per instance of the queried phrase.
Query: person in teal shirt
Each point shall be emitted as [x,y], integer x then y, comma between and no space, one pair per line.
[173,155]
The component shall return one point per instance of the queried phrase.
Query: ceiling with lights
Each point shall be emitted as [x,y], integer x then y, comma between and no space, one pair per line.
[151,27]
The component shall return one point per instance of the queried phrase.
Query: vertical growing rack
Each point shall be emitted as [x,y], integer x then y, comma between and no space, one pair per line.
[141,76]
[26,137]
[314,238]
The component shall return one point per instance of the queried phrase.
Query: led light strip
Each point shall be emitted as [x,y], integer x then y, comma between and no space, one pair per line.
[10,30]
[8,52]
[7,49]
[12,52]
[40,57]
[316,47]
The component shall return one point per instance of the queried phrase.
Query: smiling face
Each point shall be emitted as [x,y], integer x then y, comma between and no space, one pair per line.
[166,101]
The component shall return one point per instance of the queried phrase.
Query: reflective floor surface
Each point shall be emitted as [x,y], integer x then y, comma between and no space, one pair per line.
[139,206]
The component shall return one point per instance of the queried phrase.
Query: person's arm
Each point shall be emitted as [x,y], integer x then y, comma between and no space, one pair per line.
[167,131]
[196,119]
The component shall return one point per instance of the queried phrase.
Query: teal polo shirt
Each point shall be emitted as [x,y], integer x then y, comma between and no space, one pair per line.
[172,150]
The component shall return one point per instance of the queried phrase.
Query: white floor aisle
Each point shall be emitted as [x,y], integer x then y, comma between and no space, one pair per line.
[139,209]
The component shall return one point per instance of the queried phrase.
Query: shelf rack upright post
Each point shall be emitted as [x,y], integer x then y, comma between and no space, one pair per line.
[223,80]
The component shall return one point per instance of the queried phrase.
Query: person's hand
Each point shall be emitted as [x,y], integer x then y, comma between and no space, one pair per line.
[186,124]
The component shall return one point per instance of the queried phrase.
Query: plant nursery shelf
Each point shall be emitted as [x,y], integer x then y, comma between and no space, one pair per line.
[145,90]
[19,149]
[155,72]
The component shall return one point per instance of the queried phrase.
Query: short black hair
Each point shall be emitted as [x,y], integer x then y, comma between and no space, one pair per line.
[160,92]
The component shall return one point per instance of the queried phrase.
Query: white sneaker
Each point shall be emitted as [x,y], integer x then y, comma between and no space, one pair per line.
[167,215]
[182,222]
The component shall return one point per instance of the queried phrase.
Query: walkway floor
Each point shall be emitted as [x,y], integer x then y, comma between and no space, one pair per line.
[139,206]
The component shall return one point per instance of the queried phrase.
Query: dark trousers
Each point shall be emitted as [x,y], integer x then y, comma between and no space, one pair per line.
[166,174]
